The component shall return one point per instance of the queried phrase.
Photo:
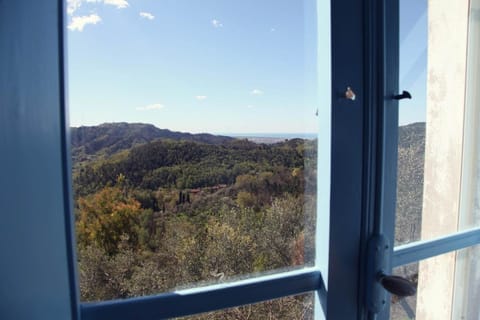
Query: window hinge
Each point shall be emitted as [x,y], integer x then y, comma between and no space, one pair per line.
[378,282]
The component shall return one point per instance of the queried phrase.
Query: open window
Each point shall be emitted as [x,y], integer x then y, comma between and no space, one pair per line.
[194,131]
[359,55]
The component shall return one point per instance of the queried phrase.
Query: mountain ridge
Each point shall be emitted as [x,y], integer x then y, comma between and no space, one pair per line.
[106,139]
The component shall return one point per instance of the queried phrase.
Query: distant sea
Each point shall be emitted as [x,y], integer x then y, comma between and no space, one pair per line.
[271,137]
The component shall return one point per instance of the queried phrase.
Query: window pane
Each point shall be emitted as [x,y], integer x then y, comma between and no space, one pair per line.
[438,134]
[447,287]
[289,308]
[405,308]
[194,141]
[412,115]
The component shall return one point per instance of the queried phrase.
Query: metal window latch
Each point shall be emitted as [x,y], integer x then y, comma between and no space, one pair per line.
[403,95]
[378,283]
[397,285]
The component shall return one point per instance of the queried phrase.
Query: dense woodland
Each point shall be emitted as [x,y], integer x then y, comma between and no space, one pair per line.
[157,210]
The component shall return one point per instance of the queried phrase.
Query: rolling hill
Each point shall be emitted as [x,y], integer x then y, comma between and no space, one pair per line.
[90,142]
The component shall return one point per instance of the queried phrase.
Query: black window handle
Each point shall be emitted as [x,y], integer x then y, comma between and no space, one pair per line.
[397,285]
[403,95]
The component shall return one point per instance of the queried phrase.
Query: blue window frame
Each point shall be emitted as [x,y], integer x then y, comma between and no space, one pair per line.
[38,267]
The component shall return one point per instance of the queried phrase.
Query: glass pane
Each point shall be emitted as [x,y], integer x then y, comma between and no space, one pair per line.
[288,308]
[194,141]
[405,308]
[411,137]
[437,148]
[447,287]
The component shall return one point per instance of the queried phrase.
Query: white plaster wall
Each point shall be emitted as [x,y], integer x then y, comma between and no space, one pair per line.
[447,45]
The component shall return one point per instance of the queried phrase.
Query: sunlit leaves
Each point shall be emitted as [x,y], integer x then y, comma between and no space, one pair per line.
[107,216]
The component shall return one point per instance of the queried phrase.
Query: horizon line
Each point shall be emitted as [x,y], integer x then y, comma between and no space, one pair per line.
[224,133]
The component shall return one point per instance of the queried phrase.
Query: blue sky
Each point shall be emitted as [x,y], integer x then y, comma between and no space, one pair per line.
[413,59]
[197,66]
[214,65]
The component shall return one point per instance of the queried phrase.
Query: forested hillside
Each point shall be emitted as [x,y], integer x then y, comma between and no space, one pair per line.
[157,211]
[91,142]
[411,156]
[153,214]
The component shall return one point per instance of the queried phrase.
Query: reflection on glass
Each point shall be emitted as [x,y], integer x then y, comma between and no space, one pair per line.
[466,288]
[438,133]
[193,141]
[403,308]
[470,196]
[411,141]
[447,287]
[289,308]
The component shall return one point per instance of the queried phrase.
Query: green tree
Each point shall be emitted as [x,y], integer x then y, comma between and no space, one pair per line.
[246,199]
[105,217]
